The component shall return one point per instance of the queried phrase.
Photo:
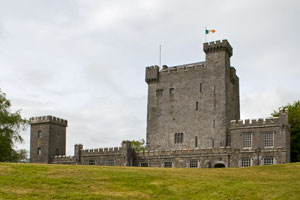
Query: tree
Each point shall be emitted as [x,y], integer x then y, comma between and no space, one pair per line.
[138,145]
[10,125]
[294,121]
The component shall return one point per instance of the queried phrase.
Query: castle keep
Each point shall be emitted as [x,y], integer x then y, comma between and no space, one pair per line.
[193,120]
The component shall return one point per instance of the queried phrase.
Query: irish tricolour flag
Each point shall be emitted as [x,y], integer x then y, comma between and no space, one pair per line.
[210,31]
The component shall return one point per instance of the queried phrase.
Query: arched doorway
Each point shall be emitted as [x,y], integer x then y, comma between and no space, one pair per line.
[219,165]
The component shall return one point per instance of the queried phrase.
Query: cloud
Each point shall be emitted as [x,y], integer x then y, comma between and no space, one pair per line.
[85,60]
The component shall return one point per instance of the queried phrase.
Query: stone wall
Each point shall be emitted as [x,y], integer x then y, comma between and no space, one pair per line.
[197,99]
[278,126]
[48,134]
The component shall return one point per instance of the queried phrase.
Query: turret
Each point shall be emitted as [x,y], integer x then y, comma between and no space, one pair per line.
[152,74]
[47,138]
[77,152]
[218,46]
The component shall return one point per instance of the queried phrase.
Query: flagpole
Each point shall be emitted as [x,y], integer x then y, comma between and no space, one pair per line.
[160,55]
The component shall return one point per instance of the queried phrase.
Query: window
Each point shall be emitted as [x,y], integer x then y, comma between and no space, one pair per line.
[91,162]
[39,134]
[246,162]
[228,140]
[197,106]
[57,152]
[172,90]
[194,164]
[159,92]
[269,161]
[178,138]
[145,164]
[111,162]
[168,164]
[215,103]
[247,140]
[196,141]
[269,139]
[39,151]
[200,87]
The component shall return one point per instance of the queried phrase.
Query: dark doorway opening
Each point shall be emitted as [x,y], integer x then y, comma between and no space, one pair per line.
[219,165]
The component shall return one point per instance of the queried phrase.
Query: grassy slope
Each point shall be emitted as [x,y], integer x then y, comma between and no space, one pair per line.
[32,181]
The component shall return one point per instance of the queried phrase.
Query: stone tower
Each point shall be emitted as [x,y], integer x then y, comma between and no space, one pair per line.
[47,138]
[191,105]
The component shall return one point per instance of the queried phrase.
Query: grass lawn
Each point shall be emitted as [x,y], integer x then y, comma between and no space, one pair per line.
[38,181]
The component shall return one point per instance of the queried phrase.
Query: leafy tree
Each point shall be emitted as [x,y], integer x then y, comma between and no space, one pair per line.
[138,145]
[294,121]
[10,125]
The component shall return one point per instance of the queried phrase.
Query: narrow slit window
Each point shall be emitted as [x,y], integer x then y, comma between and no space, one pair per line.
[39,134]
[197,106]
[200,87]
[172,91]
[196,141]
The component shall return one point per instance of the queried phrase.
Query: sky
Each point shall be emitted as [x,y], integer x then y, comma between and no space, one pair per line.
[84,60]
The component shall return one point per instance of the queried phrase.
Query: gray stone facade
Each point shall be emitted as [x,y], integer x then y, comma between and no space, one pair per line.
[47,138]
[193,120]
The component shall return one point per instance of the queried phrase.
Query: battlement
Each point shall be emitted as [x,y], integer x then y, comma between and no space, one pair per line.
[112,150]
[152,74]
[254,122]
[63,159]
[183,152]
[182,68]
[47,119]
[218,45]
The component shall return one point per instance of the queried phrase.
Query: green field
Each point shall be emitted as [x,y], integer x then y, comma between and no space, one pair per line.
[33,181]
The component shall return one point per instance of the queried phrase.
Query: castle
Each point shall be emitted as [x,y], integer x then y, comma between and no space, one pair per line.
[193,120]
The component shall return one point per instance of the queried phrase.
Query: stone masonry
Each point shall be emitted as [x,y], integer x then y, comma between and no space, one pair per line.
[193,120]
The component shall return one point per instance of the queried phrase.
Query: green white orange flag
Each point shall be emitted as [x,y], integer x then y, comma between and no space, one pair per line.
[210,31]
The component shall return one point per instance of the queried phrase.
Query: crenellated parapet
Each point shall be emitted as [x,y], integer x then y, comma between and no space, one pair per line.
[254,122]
[185,152]
[216,46]
[101,151]
[63,159]
[261,122]
[183,68]
[47,119]
[152,74]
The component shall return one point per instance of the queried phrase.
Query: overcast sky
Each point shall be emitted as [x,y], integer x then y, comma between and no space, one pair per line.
[84,60]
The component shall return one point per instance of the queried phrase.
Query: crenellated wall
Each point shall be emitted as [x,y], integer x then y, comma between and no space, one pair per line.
[47,138]
[201,102]
[254,122]
[46,119]
[278,126]
[99,151]
[63,160]
[197,99]
[217,46]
